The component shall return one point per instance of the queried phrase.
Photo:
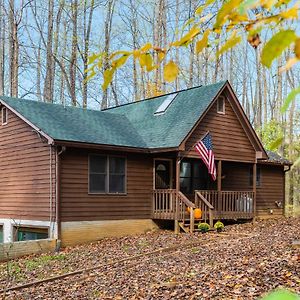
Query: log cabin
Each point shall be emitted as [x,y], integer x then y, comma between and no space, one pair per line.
[79,175]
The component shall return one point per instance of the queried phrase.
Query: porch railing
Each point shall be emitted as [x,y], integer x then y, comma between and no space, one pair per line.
[164,204]
[168,204]
[230,204]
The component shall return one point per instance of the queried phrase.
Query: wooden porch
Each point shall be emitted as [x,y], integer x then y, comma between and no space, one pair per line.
[179,203]
[170,204]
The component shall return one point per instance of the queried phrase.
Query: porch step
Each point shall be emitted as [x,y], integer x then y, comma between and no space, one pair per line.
[186,226]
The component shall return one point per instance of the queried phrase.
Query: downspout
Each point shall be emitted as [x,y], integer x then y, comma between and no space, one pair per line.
[51,224]
[58,183]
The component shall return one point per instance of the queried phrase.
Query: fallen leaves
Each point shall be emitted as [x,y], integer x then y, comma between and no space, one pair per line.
[244,263]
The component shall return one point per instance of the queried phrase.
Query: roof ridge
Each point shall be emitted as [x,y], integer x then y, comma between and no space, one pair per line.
[155,97]
[3,97]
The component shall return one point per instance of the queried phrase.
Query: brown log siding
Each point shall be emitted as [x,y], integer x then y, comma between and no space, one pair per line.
[78,205]
[236,176]
[25,172]
[271,190]
[229,138]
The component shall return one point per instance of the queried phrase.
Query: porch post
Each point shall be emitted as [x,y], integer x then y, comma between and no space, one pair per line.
[254,187]
[176,224]
[219,179]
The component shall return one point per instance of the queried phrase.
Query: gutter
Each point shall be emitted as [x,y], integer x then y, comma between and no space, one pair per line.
[112,147]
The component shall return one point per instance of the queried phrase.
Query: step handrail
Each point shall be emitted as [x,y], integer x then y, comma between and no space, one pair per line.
[181,213]
[208,205]
[186,201]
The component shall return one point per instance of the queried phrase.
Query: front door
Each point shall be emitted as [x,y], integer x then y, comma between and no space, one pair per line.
[163,178]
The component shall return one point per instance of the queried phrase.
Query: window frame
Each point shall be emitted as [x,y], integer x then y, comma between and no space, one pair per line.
[2,115]
[107,192]
[222,112]
[171,171]
[17,228]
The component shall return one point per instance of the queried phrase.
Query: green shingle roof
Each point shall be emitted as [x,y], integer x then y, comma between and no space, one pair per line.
[170,128]
[131,125]
[276,158]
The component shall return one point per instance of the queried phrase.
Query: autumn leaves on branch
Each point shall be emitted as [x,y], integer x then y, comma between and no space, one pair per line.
[240,19]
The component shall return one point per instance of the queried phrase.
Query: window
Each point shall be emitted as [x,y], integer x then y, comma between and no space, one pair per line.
[106,174]
[166,103]
[193,176]
[258,176]
[1,233]
[186,177]
[4,115]
[221,105]
[163,174]
[30,233]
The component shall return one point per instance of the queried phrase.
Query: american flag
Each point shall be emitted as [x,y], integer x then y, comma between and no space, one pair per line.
[204,148]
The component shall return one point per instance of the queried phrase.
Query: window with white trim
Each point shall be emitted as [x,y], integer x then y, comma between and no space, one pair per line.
[106,174]
[221,105]
[30,233]
[4,115]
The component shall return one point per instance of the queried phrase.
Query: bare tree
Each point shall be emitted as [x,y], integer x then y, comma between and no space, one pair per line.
[87,25]
[2,46]
[14,22]
[49,79]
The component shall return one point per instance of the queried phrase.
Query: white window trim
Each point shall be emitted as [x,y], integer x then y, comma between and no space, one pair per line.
[17,227]
[219,111]
[8,225]
[6,112]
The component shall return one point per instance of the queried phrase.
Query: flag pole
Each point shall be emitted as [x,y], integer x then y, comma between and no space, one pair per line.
[202,137]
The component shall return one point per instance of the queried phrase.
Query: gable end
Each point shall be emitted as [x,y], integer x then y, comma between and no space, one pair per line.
[232,133]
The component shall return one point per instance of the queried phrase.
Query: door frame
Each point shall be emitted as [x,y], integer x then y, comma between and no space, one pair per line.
[170,160]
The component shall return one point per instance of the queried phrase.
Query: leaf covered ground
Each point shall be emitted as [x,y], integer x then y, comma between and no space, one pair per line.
[245,262]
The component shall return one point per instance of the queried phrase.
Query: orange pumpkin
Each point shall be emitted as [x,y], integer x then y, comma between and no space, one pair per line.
[188,209]
[197,213]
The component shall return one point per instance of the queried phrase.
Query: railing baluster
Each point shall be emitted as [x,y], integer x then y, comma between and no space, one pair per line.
[158,203]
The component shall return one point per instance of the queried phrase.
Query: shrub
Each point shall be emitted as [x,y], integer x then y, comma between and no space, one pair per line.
[203,227]
[219,226]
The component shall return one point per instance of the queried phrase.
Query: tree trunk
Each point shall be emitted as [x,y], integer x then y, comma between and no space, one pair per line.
[38,73]
[2,47]
[107,33]
[87,32]
[73,59]
[13,50]
[48,85]
[258,121]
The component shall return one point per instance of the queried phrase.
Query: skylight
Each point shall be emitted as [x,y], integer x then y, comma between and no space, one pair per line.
[163,107]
